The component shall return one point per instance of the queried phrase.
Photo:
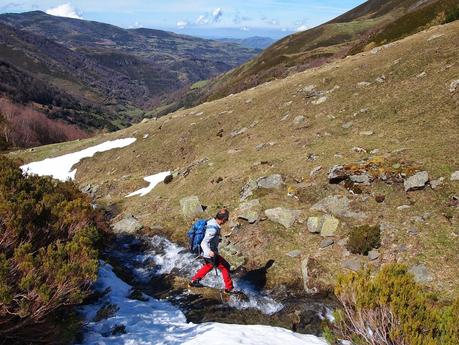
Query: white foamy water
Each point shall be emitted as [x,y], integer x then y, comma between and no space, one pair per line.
[61,167]
[157,322]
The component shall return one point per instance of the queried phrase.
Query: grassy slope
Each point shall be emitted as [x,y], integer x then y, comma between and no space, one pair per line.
[418,114]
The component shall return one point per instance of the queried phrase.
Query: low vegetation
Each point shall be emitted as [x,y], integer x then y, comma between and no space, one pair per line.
[364,238]
[48,260]
[391,308]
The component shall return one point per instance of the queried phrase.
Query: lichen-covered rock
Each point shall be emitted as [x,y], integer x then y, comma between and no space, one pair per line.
[283,216]
[314,225]
[249,211]
[421,274]
[270,182]
[191,206]
[329,225]
[128,225]
[338,206]
[247,190]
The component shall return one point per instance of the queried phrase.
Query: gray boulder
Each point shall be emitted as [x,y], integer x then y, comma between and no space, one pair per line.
[437,183]
[270,182]
[294,253]
[191,206]
[417,181]
[339,206]
[283,216]
[352,264]
[314,225]
[373,254]
[455,176]
[421,274]
[128,225]
[329,225]
[337,174]
[298,120]
[250,211]
[362,178]
[326,243]
[247,190]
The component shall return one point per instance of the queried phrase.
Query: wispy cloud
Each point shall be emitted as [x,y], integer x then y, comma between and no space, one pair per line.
[210,17]
[182,24]
[64,10]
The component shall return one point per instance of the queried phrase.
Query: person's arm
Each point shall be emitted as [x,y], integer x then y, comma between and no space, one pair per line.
[205,244]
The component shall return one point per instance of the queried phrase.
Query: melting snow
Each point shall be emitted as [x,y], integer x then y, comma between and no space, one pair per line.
[160,323]
[61,167]
[153,180]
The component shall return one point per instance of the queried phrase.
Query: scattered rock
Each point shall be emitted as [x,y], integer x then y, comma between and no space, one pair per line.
[421,75]
[270,182]
[283,216]
[363,84]
[168,179]
[362,179]
[326,243]
[437,183]
[250,211]
[359,149]
[91,190]
[453,86]
[381,79]
[191,206]
[314,225]
[413,231]
[294,253]
[367,133]
[421,274]
[298,120]
[337,206]
[320,100]
[315,171]
[233,151]
[403,207]
[455,176]
[373,254]
[248,189]
[337,174]
[417,181]
[380,198]
[352,264]
[347,125]
[328,225]
[235,133]
[129,225]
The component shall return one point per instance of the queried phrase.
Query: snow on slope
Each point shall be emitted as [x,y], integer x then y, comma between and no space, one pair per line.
[61,167]
[160,323]
[153,180]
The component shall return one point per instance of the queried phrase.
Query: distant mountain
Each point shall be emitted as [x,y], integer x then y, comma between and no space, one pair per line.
[374,23]
[251,42]
[121,73]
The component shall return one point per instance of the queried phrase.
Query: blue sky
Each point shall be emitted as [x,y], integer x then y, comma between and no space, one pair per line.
[211,18]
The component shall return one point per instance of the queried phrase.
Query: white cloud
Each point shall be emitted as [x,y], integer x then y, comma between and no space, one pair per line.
[302,28]
[182,24]
[208,18]
[64,10]
[217,15]
[245,28]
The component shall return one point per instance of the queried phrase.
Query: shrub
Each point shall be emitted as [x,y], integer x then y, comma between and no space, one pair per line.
[364,238]
[391,308]
[48,260]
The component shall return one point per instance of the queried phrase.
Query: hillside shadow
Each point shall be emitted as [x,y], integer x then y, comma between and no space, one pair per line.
[257,277]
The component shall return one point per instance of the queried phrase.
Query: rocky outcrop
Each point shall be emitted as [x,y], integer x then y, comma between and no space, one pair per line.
[191,206]
[417,181]
[338,206]
[283,216]
[128,225]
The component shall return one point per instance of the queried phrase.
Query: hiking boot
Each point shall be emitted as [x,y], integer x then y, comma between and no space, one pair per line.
[195,283]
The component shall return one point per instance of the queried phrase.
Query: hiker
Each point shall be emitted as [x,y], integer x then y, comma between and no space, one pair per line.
[209,247]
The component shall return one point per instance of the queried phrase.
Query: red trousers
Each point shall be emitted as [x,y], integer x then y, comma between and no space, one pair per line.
[222,265]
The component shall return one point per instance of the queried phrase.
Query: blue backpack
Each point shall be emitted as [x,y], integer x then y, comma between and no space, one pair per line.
[196,235]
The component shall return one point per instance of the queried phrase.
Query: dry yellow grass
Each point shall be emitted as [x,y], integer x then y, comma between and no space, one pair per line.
[406,111]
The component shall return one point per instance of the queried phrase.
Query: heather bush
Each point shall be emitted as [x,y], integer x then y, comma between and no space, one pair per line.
[364,238]
[48,260]
[391,309]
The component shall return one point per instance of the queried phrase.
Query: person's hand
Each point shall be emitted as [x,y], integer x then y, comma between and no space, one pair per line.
[211,254]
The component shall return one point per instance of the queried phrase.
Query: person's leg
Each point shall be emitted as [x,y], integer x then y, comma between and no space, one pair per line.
[206,268]
[224,267]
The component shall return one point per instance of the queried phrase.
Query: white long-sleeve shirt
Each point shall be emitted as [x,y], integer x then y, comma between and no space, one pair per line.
[211,238]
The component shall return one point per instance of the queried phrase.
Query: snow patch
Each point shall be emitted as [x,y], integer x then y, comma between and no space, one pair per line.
[153,180]
[160,323]
[61,167]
